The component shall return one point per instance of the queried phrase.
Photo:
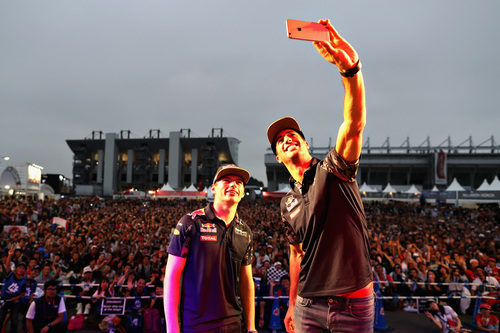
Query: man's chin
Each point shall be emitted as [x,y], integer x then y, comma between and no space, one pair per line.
[232,198]
[291,155]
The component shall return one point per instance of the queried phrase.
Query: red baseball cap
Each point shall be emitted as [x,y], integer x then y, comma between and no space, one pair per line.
[485,306]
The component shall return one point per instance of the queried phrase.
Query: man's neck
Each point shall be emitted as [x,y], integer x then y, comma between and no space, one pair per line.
[225,211]
[298,168]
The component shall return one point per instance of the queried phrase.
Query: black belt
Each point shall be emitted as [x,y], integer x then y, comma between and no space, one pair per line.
[334,302]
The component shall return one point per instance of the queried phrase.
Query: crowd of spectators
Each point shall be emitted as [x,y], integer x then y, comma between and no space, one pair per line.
[121,247]
[433,250]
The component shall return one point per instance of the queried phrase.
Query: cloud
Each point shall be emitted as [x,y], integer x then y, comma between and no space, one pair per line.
[68,67]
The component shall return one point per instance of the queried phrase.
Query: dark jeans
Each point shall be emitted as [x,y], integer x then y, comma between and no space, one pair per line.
[13,308]
[334,314]
[229,328]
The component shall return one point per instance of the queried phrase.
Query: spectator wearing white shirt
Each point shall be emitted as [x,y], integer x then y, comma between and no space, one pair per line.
[478,284]
[46,314]
[444,317]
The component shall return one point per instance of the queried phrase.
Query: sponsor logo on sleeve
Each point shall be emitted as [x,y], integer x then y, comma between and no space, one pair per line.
[208,238]
[176,232]
[291,203]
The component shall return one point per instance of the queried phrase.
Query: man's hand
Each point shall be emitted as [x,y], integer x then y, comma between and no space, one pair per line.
[289,325]
[337,51]
[12,250]
[272,283]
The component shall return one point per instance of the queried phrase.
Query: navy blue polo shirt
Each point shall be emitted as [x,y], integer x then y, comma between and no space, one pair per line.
[214,255]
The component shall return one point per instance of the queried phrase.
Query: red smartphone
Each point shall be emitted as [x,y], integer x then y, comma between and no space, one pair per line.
[305,30]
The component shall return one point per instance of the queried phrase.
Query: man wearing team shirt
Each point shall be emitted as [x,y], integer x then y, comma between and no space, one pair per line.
[209,264]
[331,286]
[13,291]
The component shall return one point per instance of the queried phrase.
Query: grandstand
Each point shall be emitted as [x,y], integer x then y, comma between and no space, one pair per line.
[425,164]
[149,162]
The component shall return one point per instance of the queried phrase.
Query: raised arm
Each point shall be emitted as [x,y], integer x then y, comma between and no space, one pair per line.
[9,259]
[172,286]
[340,53]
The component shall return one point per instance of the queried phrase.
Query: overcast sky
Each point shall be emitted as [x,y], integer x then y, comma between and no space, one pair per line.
[431,68]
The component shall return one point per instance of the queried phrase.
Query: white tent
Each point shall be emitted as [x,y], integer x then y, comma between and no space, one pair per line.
[455,186]
[389,189]
[484,186]
[366,188]
[495,184]
[191,188]
[435,189]
[166,187]
[210,194]
[413,190]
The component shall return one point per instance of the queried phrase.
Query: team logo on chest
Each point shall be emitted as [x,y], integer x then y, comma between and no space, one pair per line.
[208,227]
[13,288]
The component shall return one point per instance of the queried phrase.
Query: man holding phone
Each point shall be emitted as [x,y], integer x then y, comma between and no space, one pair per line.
[331,284]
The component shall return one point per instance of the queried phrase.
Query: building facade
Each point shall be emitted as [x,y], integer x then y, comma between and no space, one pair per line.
[21,179]
[110,163]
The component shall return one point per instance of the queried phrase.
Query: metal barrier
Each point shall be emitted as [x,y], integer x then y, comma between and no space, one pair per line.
[80,285]
[66,285]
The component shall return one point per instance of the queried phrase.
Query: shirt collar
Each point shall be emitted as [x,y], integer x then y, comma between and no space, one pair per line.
[312,165]
[209,212]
